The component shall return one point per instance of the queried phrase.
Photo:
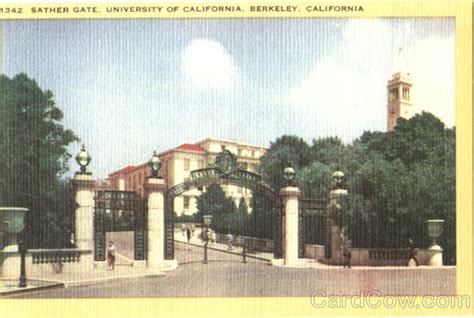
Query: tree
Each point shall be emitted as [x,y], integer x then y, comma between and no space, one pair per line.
[400,179]
[285,151]
[222,208]
[262,218]
[243,218]
[314,180]
[396,180]
[33,157]
[329,151]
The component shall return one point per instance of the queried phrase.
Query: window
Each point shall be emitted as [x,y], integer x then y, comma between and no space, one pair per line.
[393,96]
[187,163]
[406,93]
[186,200]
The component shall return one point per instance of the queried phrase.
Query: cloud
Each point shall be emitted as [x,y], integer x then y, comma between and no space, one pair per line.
[340,97]
[206,63]
[347,88]
[432,67]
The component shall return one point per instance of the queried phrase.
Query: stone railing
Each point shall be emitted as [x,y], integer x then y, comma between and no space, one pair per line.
[389,254]
[55,256]
[374,256]
[40,262]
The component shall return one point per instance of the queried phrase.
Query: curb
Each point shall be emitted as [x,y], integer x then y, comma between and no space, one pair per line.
[106,279]
[78,283]
[32,289]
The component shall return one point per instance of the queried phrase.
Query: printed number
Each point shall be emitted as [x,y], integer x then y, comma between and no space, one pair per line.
[11,10]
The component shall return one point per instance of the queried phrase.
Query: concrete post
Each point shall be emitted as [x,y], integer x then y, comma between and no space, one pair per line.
[155,189]
[435,228]
[84,187]
[337,208]
[290,199]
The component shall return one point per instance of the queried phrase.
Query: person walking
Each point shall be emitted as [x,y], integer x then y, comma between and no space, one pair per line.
[111,255]
[347,254]
[412,252]
[183,229]
[205,235]
[230,242]
[188,233]
[212,236]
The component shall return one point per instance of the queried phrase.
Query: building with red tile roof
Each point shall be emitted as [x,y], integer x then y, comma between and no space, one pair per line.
[178,162]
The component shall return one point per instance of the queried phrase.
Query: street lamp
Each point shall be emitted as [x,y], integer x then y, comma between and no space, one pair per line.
[155,165]
[207,219]
[22,250]
[83,159]
[289,175]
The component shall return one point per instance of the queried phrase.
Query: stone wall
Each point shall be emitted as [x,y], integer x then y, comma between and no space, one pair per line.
[373,257]
[36,266]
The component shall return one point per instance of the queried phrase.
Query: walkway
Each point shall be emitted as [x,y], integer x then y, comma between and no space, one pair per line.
[237,250]
[225,275]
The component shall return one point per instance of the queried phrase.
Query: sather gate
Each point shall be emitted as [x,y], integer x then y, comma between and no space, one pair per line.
[225,171]
[153,219]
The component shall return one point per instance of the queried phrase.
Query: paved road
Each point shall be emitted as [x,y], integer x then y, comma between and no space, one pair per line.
[225,275]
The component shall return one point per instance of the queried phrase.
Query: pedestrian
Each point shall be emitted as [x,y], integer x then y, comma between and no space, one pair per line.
[183,229]
[111,255]
[212,236]
[188,233]
[205,235]
[412,252]
[230,241]
[347,254]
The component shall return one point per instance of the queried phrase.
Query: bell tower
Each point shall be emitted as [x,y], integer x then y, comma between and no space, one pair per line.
[399,97]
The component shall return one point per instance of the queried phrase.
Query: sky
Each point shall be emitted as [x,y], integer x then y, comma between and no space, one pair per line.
[128,87]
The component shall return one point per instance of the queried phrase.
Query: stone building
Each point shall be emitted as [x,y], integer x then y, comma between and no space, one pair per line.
[179,161]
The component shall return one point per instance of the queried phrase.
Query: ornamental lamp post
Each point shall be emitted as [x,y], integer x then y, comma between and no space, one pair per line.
[83,159]
[207,220]
[289,175]
[155,165]
[338,179]
[435,229]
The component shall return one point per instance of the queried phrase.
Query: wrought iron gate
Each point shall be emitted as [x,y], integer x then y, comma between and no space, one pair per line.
[119,202]
[312,223]
[277,232]
[225,171]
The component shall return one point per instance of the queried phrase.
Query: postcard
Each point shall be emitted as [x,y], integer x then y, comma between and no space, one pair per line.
[236,158]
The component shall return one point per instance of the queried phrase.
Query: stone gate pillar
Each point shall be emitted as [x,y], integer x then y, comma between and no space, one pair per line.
[290,199]
[155,191]
[84,186]
[336,210]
